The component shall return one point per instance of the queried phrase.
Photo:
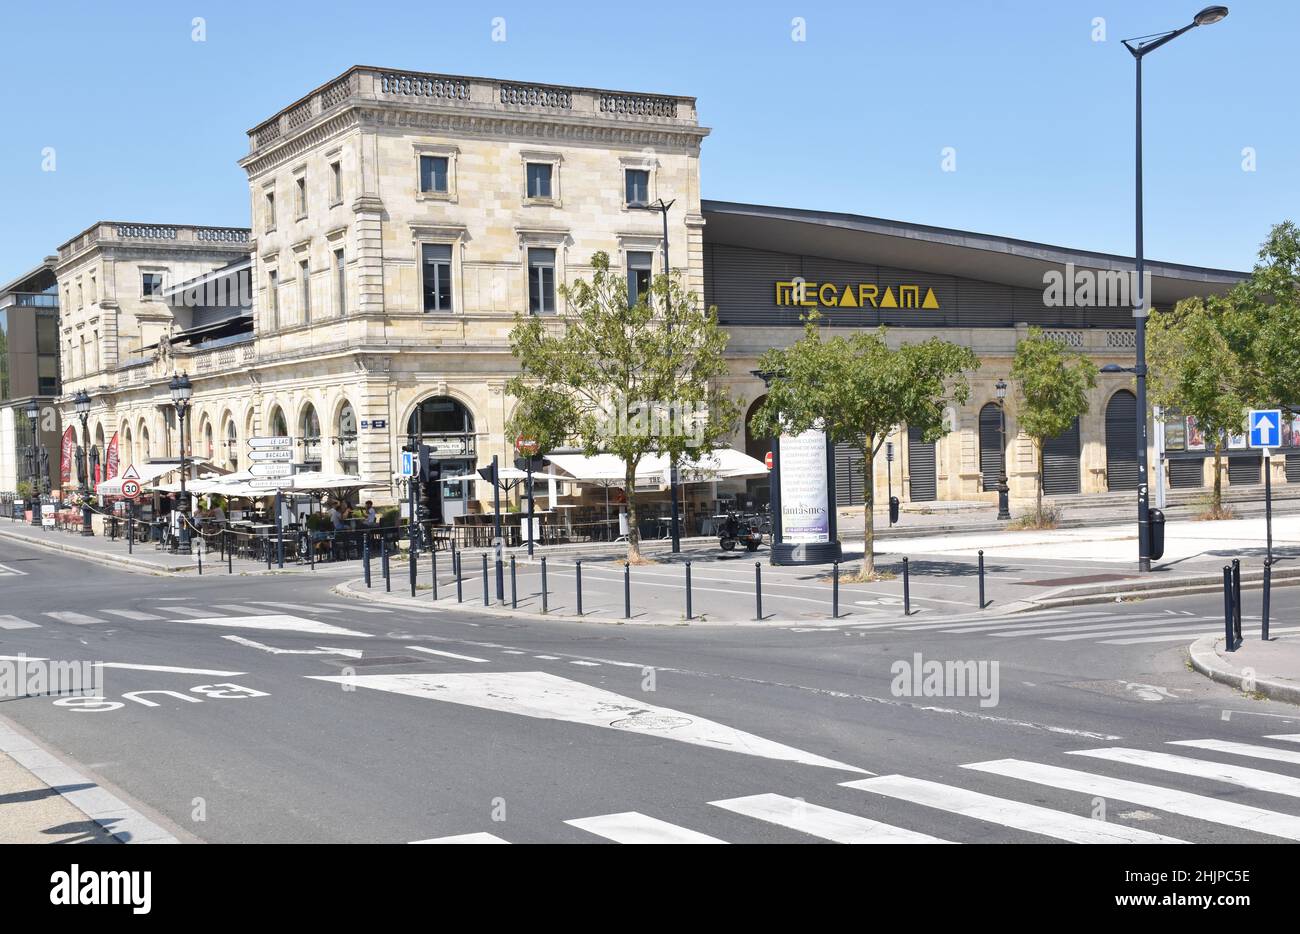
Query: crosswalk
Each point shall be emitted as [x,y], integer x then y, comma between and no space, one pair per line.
[7,571]
[1099,626]
[172,611]
[899,803]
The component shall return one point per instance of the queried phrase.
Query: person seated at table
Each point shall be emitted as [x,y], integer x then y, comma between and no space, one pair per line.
[336,517]
[372,517]
[216,513]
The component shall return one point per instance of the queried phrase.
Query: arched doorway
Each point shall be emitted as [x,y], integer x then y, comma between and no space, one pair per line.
[921,474]
[447,427]
[991,453]
[278,424]
[232,445]
[309,426]
[348,439]
[1061,463]
[1121,442]
[758,489]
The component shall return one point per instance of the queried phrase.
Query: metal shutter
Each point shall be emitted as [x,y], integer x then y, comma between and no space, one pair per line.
[1061,463]
[1293,468]
[990,445]
[1243,470]
[1187,473]
[848,474]
[922,487]
[1121,442]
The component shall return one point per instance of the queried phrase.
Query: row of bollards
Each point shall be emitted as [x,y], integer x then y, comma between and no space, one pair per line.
[1232,637]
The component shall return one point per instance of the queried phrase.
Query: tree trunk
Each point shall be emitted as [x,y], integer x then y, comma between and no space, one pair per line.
[633,527]
[868,510]
[1217,501]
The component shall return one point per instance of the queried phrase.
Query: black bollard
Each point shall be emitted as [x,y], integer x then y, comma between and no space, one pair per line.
[627,590]
[1227,609]
[130,535]
[365,556]
[455,566]
[486,602]
[1268,586]
[383,561]
[414,554]
[1236,599]
[544,606]
[835,591]
[688,590]
[198,550]
[268,553]
[230,557]
[433,562]
[907,591]
[514,594]
[758,590]
[981,578]
[578,568]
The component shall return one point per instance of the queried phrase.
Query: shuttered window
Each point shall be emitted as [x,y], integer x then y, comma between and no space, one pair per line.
[922,484]
[990,445]
[1061,463]
[1121,442]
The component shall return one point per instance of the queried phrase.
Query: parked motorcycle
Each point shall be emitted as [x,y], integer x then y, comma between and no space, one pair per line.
[743,530]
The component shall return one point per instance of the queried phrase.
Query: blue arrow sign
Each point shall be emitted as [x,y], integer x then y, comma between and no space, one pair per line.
[1265,428]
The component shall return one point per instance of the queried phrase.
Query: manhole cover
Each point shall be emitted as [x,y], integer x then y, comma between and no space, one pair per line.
[651,722]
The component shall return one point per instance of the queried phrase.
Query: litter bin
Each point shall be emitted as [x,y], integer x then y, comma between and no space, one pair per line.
[1156,533]
[893,509]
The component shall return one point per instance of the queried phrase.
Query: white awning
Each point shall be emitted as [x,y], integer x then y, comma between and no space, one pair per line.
[599,468]
[145,473]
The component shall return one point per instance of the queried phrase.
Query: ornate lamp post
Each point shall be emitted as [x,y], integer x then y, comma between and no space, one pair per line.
[181,392]
[1139,47]
[1004,491]
[81,403]
[33,416]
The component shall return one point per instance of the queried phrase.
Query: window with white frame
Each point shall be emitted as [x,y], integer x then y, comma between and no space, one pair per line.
[541,281]
[636,187]
[435,265]
[640,264]
[151,284]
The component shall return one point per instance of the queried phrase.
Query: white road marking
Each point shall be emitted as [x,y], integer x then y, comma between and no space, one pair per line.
[6,569]
[633,827]
[1242,749]
[1200,807]
[463,658]
[75,619]
[1173,627]
[1029,817]
[818,821]
[1155,624]
[1287,737]
[465,838]
[235,608]
[578,661]
[319,650]
[1256,779]
[13,622]
[296,607]
[1016,622]
[512,652]
[280,622]
[549,697]
[1186,636]
[20,658]
[132,614]
[548,658]
[171,668]
[188,611]
[355,609]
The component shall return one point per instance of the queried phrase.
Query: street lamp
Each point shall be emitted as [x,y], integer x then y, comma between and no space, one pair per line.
[33,416]
[1004,491]
[81,403]
[181,392]
[1139,47]
[662,207]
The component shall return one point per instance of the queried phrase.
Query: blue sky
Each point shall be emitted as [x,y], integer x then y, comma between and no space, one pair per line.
[147,124]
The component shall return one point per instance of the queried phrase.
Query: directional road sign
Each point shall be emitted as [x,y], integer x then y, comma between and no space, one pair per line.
[271,470]
[1265,428]
[274,441]
[271,454]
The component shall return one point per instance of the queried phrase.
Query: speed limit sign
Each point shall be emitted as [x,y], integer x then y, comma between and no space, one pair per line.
[130,488]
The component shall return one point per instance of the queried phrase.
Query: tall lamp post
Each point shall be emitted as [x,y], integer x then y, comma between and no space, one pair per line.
[81,403]
[1004,491]
[662,207]
[33,416]
[1139,47]
[181,392]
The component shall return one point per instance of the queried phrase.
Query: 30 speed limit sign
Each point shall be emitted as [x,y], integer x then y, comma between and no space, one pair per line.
[130,488]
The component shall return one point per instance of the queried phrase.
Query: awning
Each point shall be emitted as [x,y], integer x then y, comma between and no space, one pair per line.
[145,473]
[506,473]
[599,468]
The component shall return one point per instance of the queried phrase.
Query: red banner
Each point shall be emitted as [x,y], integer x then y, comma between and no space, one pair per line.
[111,459]
[69,453]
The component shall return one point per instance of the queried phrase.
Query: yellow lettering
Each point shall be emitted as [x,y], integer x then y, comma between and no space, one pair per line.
[846,299]
[783,293]
[887,300]
[809,289]
[930,300]
[821,295]
[867,293]
[909,295]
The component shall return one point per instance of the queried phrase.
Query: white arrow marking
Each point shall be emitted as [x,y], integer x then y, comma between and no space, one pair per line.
[548,697]
[172,668]
[319,650]
[277,621]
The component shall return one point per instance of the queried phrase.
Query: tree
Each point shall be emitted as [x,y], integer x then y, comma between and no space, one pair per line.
[631,380]
[1194,368]
[857,389]
[1052,384]
[1266,321]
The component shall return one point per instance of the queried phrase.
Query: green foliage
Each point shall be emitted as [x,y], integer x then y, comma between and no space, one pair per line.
[581,372]
[1266,321]
[857,389]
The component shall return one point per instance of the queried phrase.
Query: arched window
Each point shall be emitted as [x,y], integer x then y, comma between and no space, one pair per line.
[127,453]
[232,445]
[310,427]
[206,446]
[144,445]
[445,425]
[991,453]
[1121,442]
[348,439]
[279,427]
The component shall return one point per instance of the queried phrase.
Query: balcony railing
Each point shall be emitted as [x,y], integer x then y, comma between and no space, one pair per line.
[113,231]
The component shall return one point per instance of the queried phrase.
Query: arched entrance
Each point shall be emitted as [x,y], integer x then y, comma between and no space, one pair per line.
[1061,463]
[447,427]
[758,489]
[1121,442]
[991,453]
[921,477]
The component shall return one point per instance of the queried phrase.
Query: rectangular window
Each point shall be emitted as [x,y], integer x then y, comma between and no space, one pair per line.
[639,266]
[636,185]
[436,259]
[270,210]
[539,179]
[541,281]
[433,174]
[336,181]
[94,291]
[300,189]
[341,282]
[304,272]
[273,296]
[151,284]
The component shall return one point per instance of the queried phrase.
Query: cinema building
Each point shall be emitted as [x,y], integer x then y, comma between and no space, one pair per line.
[400,220]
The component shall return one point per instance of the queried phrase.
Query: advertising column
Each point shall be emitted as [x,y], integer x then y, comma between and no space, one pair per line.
[805,477]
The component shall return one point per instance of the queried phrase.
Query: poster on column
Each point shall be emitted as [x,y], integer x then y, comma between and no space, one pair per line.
[805,511]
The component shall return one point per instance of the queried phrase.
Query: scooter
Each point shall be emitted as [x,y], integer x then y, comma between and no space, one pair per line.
[747,531]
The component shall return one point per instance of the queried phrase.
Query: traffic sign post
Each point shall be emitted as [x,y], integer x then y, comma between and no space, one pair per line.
[527,449]
[1265,428]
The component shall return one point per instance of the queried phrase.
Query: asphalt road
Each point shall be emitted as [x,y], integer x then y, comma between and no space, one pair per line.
[451,723]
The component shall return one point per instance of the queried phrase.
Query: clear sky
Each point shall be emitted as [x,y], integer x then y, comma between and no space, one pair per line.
[146,124]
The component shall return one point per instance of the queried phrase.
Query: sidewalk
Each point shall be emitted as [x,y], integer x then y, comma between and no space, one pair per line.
[33,812]
[1270,669]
